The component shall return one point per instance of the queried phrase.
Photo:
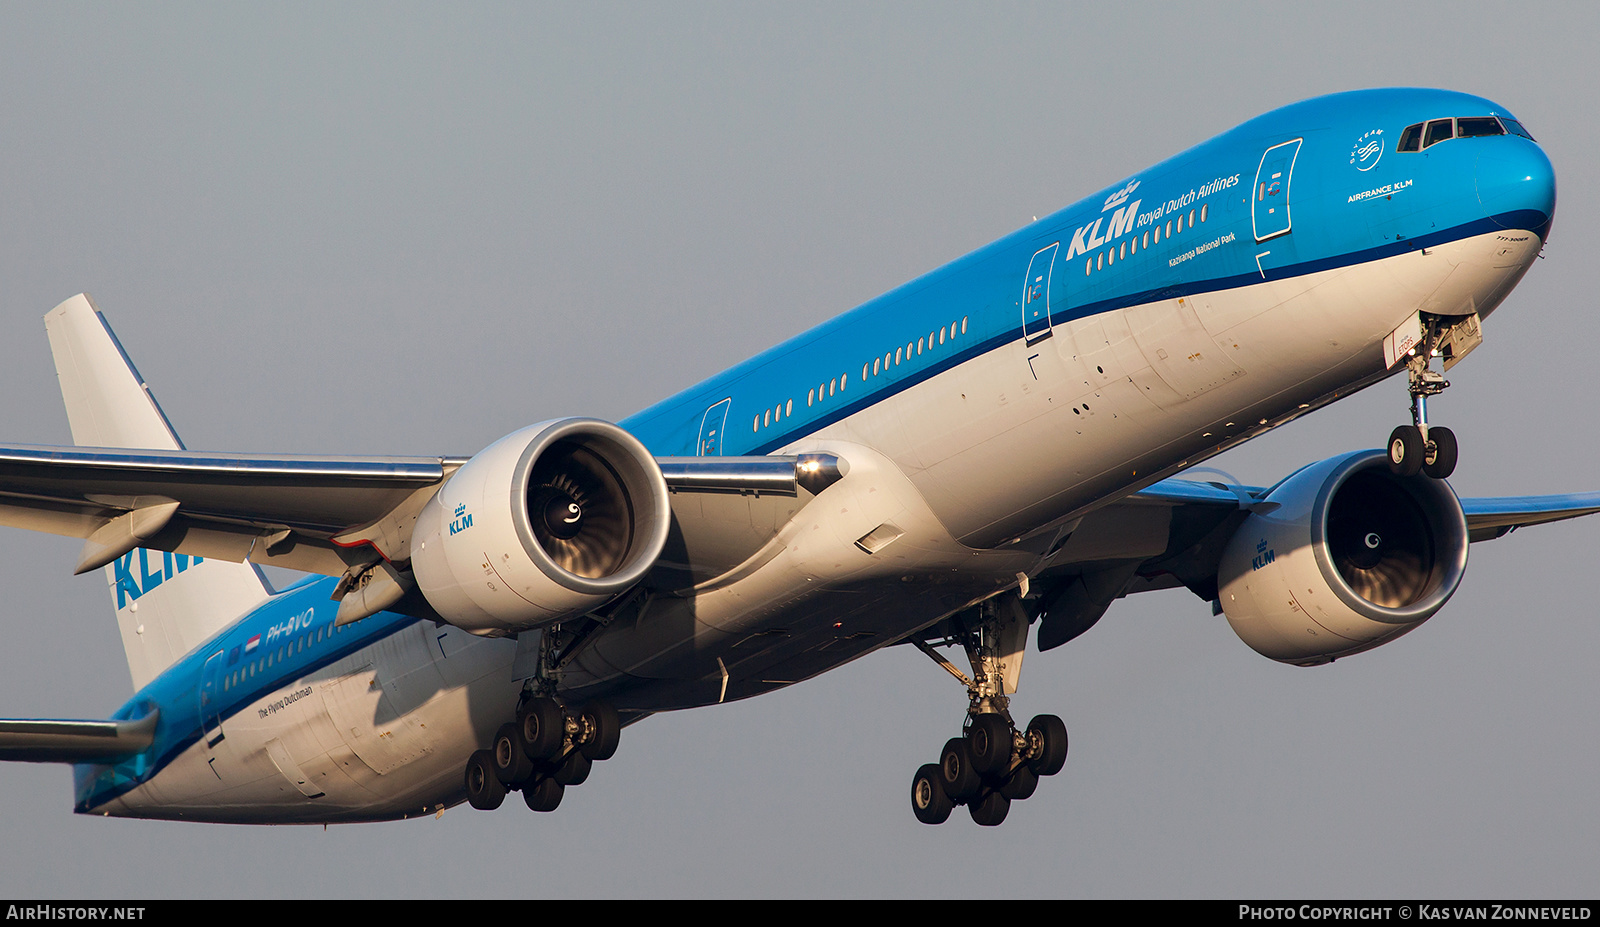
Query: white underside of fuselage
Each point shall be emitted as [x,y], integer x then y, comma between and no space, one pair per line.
[383,733]
[943,477]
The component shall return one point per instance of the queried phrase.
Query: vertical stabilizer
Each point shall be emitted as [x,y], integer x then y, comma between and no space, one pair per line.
[166,603]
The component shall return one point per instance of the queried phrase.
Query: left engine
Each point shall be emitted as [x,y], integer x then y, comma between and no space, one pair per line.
[548,522]
[1351,557]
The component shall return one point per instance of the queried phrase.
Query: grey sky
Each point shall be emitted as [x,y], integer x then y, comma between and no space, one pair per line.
[397,228]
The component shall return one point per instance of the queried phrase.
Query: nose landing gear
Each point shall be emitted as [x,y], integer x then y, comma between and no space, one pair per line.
[1420,447]
[992,764]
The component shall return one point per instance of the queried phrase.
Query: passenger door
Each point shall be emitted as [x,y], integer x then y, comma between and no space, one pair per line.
[1269,211]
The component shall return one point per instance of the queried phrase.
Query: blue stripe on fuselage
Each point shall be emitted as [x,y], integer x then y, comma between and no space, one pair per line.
[288,625]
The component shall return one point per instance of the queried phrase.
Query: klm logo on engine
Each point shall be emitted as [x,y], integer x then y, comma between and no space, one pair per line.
[131,584]
[1264,555]
[463,520]
[1088,238]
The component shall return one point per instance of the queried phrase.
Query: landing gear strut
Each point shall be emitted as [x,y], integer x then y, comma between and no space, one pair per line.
[1419,447]
[992,764]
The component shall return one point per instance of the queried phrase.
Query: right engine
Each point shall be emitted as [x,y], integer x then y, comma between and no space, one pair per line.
[548,522]
[1352,557]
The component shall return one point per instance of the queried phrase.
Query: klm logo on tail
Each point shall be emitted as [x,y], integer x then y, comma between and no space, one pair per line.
[132,585]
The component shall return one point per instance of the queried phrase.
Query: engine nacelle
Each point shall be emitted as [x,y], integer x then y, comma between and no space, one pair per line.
[546,523]
[1352,558]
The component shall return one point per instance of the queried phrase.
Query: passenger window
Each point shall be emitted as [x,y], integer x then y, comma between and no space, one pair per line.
[875,364]
[1203,211]
[1438,131]
[788,407]
[1478,126]
[963,325]
[1411,138]
[811,396]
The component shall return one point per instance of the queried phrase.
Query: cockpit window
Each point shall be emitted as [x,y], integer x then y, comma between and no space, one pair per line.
[1475,126]
[1515,128]
[1420,135]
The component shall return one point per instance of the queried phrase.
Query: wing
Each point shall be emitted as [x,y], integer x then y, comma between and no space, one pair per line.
[330,515]
[1173,534]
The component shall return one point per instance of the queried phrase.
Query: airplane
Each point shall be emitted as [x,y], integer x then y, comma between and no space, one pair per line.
[989,449]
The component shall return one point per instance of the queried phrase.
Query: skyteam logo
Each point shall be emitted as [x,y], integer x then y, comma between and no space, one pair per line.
[1368,150]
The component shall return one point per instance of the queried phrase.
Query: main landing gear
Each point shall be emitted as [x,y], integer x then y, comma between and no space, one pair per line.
[545,750]
[1419,447]
[992,764]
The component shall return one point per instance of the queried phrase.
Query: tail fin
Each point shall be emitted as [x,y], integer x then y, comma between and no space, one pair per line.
[167,604]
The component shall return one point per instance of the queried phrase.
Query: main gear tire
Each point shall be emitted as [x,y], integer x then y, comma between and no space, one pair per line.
[1050,734]
[961,781]
[990,809]
[544,795]
[928,799]
[485,791]
[604,730]
[989,738]
[542,727]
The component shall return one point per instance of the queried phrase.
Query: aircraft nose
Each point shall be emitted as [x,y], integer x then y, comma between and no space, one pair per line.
[1517,185]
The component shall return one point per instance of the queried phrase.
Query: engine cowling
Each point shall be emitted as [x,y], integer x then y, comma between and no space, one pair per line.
[1353,557]
[548,522]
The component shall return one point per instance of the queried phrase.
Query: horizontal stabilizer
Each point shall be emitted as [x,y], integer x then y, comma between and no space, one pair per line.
[48,741]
